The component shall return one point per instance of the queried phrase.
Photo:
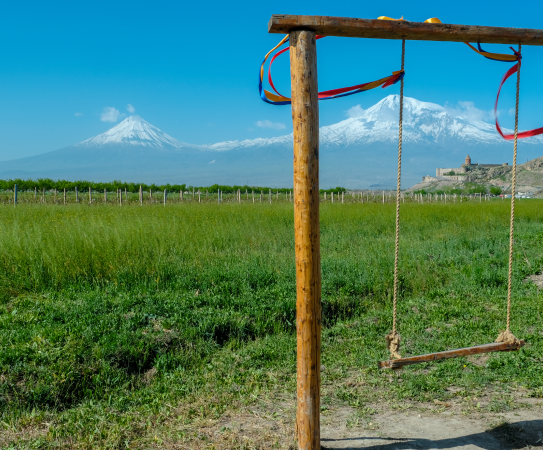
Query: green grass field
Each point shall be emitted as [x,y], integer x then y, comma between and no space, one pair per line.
[111,318]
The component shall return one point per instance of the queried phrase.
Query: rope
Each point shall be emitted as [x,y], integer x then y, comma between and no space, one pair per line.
[507,336]
[393,338]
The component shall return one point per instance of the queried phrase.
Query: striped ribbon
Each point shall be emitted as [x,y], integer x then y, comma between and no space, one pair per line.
[279,99]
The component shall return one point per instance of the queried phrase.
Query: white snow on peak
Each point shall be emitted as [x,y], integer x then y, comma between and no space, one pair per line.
[134,131]
[423,123]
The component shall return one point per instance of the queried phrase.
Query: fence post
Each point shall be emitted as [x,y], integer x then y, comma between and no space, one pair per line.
[35,193]
[193,192]
[76,194]
[120,196]
[90,196]
[261,195]
[141,196]
[199,196]
[64,195]
[181,194]
[342,197]
[270,196]
[15,195]
[165,196]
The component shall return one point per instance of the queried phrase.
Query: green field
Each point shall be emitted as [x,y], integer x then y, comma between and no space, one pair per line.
[112,318]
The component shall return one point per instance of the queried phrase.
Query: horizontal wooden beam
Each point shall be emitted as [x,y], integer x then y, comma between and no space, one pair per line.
[486,348]
[395,29]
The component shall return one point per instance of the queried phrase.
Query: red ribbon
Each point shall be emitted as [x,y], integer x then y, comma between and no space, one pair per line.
[524,134]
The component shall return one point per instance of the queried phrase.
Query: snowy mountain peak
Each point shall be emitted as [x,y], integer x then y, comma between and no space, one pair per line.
[134,131]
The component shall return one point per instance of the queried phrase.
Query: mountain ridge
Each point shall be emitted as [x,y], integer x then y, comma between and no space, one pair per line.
[357,152]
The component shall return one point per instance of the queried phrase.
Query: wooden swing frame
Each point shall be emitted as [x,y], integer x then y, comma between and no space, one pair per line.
[305,118]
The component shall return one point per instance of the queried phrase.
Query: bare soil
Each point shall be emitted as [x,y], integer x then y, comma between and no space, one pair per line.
[459,424]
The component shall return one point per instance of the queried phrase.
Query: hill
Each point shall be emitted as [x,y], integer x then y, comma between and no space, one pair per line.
[529,179]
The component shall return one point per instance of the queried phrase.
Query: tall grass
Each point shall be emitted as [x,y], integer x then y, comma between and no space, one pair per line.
[94,298]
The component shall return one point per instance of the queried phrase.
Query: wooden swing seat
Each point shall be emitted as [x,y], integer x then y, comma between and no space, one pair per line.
[486,348]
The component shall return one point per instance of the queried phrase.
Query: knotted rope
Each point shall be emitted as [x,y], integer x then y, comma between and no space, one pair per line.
[393,338]
[507,336]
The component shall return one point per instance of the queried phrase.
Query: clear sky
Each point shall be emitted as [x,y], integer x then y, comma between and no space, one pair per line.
[69,69]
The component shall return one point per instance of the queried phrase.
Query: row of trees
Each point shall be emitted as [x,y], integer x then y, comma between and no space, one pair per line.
[473,189]
[49,184]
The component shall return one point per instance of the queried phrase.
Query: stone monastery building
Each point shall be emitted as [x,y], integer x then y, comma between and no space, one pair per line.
[457,173]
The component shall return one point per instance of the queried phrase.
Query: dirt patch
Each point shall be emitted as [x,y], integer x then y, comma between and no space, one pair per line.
[479,360]
[413,430]
[536,279]
[459,423]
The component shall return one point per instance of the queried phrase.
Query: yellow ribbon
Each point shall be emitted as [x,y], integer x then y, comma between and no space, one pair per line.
[430,20]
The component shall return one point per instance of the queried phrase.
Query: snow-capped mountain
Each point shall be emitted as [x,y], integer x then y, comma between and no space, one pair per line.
[423,123]
[133,131]
[358,152]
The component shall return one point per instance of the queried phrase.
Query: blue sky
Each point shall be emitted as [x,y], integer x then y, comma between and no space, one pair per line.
[190,68]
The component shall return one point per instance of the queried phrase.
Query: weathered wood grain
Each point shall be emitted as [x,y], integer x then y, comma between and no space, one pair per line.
[305,119]
[393,29]
[486,348]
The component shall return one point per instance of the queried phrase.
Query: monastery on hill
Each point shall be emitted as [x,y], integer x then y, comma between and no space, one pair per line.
[458,173]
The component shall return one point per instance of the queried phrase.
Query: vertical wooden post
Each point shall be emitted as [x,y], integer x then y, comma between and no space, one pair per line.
[55,201]
[218,196]
[261,195]
[43,195]
[15,195]
[76,194]
[181,194]
[166,196]
[64,195]
[199,196]
[120,195]
[270,196]
[35,193]
[305,118]
[90,196]
[253,195]
[141,196]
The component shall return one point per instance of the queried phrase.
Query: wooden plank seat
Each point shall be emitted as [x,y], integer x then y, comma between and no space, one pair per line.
[486,348]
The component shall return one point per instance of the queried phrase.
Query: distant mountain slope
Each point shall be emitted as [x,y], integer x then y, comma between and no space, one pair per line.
[357,152]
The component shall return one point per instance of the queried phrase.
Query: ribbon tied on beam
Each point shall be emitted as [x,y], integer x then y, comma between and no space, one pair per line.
[279,99]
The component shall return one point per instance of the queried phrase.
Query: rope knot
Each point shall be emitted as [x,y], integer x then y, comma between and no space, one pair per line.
[509,338]
[393,344]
